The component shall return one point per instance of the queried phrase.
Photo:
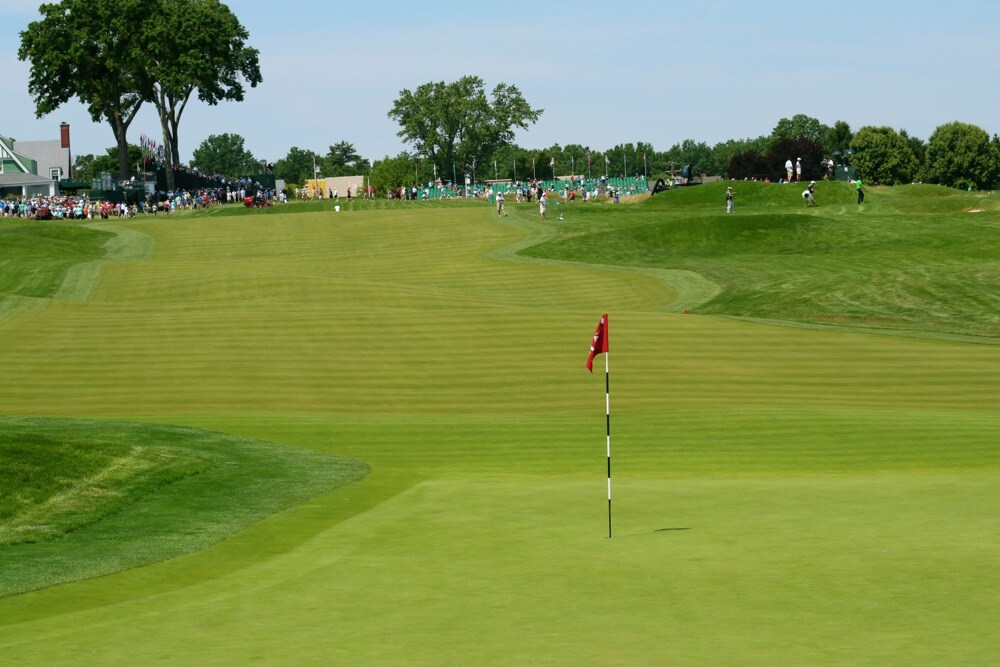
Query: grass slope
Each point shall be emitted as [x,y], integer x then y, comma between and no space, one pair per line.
[782,495]
[911,259]
[94,498]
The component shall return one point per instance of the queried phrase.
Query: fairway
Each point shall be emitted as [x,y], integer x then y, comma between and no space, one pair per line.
[783,495]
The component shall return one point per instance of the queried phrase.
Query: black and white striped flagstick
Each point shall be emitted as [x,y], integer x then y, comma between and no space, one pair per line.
[607,404]
[600,346]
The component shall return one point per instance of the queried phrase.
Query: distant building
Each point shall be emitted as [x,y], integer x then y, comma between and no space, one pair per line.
[32,168]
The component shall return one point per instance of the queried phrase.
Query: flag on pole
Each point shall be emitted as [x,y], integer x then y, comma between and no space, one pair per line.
[552,162]
[600,342]
[607,160]
[600,346]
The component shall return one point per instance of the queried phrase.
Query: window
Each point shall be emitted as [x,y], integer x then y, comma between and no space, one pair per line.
[55,173]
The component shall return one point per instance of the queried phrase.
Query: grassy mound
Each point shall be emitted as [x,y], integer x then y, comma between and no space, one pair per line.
[35,257]
[912,259]
[83,499]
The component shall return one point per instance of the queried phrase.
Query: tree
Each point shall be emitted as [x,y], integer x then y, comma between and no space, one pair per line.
[919,148]
[748,165]
[800,126]
[297,166]
[87,49]
[839,137]
[343,159]
[456,123]
[115,54]
[225,154]
[781,150]
[395,172]
[881,155]
[960,155]
[88,167]
[193,45]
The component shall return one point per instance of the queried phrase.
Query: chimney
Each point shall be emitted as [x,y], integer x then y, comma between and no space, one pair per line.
[64,143]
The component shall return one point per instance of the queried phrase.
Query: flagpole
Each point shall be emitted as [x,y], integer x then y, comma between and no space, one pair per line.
[600,346]
[607,403]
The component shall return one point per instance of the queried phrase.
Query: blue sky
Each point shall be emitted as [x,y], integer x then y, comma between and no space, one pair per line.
[604,72]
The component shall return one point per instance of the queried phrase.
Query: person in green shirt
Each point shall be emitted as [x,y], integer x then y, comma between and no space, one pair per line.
[861,192]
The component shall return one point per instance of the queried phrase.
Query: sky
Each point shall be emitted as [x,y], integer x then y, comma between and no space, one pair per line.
[604,73]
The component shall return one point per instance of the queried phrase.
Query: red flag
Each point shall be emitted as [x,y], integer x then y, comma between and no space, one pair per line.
[600,343]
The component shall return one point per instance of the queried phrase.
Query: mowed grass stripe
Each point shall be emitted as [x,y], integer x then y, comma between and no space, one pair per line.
[345,360]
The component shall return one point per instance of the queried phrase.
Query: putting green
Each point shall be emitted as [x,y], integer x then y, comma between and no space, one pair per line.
[782,495]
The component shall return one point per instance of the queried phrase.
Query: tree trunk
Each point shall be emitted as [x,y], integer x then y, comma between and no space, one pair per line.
[167,150]
[119,127]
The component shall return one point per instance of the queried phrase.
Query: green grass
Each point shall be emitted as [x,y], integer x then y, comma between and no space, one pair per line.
[911,259]
[94,498]
[783,495]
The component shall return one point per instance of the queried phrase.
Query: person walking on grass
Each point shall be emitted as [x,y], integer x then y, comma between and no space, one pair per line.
[860,188]
[729,200]
[500,209]
[809,194]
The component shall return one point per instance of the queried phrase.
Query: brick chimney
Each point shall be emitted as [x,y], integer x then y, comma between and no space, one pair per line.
[64,143]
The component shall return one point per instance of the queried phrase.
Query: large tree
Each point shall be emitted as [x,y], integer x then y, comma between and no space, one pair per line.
[800,126]
[453,124]
[225,154]
[882,156]
[115,54]
[87,49]
[404,170]
[961,155]
[297,166]
[193,46]
[343,159]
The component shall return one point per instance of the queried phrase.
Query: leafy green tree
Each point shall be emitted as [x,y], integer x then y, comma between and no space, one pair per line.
[800,126]
[88,167]
[343,159]
[297,166]
[456,123]
[402,170]
[919,148]
[225,154]
[881,155]
[193,46]
[724,152]
[698,154]
[87,49]
[839,138]
[961,155]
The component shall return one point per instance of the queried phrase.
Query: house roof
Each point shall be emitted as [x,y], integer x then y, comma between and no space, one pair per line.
[8,179]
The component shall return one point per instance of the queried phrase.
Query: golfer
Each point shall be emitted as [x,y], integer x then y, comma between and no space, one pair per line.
[729,201]
[809,194]
[861,192]
[500,209]
[542,202]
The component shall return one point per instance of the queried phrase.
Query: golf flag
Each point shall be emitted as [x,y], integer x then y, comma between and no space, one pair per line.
[600,342]
[600,346]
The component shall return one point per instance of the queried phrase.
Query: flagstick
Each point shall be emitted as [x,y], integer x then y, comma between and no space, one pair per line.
[607,403]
